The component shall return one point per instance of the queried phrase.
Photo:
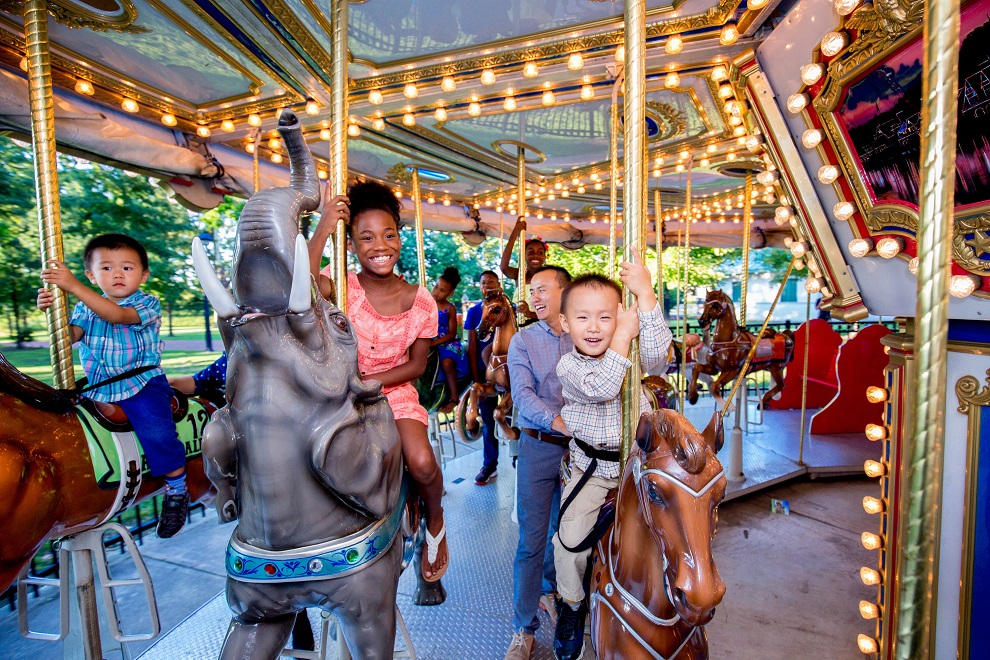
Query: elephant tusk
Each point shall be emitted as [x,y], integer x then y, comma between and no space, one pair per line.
[300,297]
[212,287]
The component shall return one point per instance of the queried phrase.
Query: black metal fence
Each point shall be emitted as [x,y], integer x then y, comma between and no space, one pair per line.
[139,520]
[844,328]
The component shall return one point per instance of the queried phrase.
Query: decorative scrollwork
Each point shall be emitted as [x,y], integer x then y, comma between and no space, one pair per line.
[969,393]
[76,14]
[966,251]
[882,218]
[670,121]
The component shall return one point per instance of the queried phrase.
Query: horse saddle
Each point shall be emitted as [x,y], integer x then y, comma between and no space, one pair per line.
[771,348]
[113,418]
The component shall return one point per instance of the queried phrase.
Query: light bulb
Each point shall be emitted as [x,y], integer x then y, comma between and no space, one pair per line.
[203,131]
[549,98]
[876,432]
[375,97]
[378,124]
[876,394]
[866,644]
[798,249]
[812,73]
[227,126]
[448,84]
[827,174]
[254,120]
[711,148]
[753,143]
[860,247]
[961,286]
[679,167]
[674,44]
[23,64]
[312,108]
[725,90]
[276,158]
[446,201]
[440,114]
[719,73]
[783,213]
[409,119]
[322,174]
[868,610]
[872,505]
[474,108]
[530,70]
[487,77]
[729,34]
[834,42]
[620,53]
[766,177]
[672,80]
[410,91]
[845,7]
[353,130]
[843,210]
[587,92]
[580,190]
[731,155]
[274,143]
[129,105]
[575,61]
[85,87]
[169,119]
[889,247]
[874,469]
[797,102]
[733,107]
[869,576]
[509,103]
[756,4]
[813,285]
[913,265]
[249,147]
[811,138]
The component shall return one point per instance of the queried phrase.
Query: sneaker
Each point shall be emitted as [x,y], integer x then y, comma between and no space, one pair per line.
[548,603]
[173,516]
[521,647]
[486,475]
[568,640]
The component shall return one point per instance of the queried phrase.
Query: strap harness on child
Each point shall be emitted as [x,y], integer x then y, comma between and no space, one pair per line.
[81,387]
[603,522]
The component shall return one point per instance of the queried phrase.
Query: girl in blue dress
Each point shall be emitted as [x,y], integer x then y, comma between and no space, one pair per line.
[453,359]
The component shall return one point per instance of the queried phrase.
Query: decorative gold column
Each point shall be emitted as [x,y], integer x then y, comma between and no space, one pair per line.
[46,182]
[658,230]
[521,209]
[686,256]
[255,164]
[420,240]
[338,138]
[747,228]
[613,172]
[922,497]
[634,194]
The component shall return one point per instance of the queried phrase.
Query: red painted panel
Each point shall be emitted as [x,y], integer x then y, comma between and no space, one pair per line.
[822,382]
[861,363]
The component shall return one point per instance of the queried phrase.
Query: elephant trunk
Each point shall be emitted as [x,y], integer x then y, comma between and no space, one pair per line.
[303,176]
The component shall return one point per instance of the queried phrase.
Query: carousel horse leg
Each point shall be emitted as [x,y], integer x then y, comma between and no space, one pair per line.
[777,372]
[502,414]
[718,383]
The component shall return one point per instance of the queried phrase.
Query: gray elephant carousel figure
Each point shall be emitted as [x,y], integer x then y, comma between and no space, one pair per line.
[305,456]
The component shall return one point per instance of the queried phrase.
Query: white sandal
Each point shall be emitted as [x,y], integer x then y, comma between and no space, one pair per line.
[432,550]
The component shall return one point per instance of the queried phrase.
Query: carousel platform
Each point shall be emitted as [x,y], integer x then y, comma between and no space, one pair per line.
[778,558]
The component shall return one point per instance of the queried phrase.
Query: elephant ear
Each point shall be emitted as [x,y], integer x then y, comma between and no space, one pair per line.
[359,458]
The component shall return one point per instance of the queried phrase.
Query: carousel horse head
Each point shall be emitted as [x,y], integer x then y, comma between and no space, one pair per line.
[496,311]
[717,304]
[679,483]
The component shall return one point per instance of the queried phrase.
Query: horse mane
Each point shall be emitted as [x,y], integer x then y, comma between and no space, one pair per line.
[31,391]
[682,440]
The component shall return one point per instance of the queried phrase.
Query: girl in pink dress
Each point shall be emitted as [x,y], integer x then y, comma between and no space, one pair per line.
[394,322]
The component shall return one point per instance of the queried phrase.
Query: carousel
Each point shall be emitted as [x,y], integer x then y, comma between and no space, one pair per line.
[850,133]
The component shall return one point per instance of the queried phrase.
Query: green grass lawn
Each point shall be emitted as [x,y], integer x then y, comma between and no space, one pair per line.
[35,362]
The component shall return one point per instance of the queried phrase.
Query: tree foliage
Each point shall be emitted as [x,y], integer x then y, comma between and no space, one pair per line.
[19,245]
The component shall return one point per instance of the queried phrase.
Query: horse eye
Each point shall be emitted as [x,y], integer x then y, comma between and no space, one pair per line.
[340,321]
[656,496]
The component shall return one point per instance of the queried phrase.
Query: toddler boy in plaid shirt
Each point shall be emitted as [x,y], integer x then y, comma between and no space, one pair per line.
[118,331]
[591,376]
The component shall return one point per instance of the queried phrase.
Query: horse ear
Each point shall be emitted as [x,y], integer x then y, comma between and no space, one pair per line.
[644,433]
[714,434]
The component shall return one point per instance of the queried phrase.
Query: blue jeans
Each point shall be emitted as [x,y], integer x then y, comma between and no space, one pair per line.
[486,408]
[150,413]
[538,509]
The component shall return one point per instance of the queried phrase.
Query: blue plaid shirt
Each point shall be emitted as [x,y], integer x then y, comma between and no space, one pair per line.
[108,349]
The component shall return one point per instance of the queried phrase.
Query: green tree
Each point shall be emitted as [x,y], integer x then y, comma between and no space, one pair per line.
[19,246]
[447,249]
[773,260]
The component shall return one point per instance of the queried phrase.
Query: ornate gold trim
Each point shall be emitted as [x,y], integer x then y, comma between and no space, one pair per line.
[302,35]
[892,219]
[667,117]
[715,16]
[962,251]
[77,16]
[971,399]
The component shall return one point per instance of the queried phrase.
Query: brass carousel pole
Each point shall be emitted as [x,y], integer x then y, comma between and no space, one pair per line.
[634,196]
[338,139]
[804,378]
[922,498]
[658,230]
[256,171]
[735,436]
[613,170]
[521,210]
[747,228]
[418,215]
[46,182]
[687,259]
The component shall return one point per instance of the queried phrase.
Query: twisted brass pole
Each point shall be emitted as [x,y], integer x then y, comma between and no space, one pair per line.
[747,228]
[521,209]
[255,164]
[46,182]
[420,239]
[338,138]
[922,495]
[804,378]
[658,230]
[613,172]
[686,255]
[634,195]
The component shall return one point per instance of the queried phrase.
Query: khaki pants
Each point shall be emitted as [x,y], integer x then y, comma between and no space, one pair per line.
[575,523]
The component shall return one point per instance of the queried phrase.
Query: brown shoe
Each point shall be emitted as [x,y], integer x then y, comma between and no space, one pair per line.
[521,647]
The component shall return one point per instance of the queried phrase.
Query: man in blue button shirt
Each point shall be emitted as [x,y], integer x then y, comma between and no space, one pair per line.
[537,400]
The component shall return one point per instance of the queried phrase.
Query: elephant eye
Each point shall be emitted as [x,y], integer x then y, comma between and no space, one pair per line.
[340,321]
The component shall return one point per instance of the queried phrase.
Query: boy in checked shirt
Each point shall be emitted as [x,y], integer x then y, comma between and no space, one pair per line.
[591,376]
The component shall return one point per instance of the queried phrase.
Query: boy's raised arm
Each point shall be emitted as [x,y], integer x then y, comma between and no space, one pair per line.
[59,274]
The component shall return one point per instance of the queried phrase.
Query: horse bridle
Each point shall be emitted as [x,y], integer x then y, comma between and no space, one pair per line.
[638,473]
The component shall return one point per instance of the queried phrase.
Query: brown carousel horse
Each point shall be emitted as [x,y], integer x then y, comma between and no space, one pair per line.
[731,344]
[654,584]
[497,316]
[49,486]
